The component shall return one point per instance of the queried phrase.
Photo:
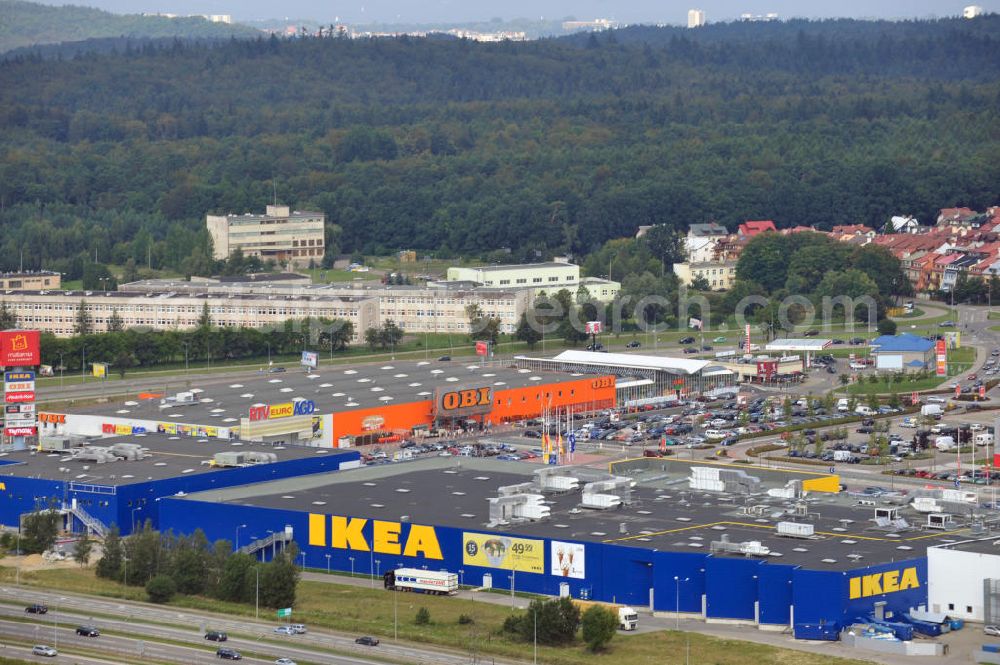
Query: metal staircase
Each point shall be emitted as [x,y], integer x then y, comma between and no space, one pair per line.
[94,525]
[273,540]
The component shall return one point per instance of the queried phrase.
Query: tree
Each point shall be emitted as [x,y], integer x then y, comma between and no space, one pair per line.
[372,338]
[526,332]
[84,546]
[130,273]
[205,319]
[109,566]
[82,325]
[278,581]
[844,379]
[115,322]
[598,627]
[39,530]
[8,319]
[238,568]
[123,361]
[557,621]
[886,327]
[161,589]
[481,327]
[700,283]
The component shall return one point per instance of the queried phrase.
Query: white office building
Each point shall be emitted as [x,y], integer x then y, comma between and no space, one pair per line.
[696,18]
[281,235]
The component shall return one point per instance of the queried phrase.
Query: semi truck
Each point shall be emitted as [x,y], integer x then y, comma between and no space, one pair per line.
[628,618]
[438,583]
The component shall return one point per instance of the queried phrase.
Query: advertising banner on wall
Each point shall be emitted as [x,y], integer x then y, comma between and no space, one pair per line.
[302,407]
[567,560]
[20,348]
[27,396]
[523,555]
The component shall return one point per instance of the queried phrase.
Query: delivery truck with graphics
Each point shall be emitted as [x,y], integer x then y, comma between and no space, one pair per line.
[628,618]
[435,582]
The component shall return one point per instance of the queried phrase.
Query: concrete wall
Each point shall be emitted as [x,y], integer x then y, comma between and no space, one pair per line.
[956,581]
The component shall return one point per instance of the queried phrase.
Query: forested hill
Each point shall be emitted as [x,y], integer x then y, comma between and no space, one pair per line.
[455,146]
[28,24]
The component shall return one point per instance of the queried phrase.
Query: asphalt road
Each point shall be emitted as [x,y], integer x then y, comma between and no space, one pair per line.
[149,623]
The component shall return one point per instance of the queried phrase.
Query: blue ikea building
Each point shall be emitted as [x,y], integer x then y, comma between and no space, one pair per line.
[96,493]
[670,550]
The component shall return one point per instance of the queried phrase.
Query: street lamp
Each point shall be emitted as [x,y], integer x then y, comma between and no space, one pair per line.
[241,526]
[256,596]
[61,368]
[303,561]
[535,646]
[351,559]
[133,517]
[186,345]
[512,572]
[55,623]
[327,564]
[677,600]
[371,567]
[377,564]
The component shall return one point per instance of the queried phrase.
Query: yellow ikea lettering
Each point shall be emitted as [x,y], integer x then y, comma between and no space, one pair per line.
[881,583]
[346,533]
[386,538]
[3,487]
[423,539]
[317,530]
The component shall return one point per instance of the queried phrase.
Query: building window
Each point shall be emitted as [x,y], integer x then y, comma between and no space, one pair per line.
[951,606]
[968,609]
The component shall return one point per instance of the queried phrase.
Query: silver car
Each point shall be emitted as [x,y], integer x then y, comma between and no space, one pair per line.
[43,650]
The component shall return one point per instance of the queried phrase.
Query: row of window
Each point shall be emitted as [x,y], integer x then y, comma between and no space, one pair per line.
[524,280]
[124,311]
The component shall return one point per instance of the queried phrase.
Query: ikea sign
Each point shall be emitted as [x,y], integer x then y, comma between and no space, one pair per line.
[348,533]
[890,581]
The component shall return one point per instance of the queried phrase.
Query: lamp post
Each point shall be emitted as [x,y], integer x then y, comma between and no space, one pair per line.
[303,561]
[186,345]
[133,517]
[327,564]
[512,573]
[238,527]
[395,612]
[377,564]
[17,579]
[535,645]
[55,623]
[256,594]
[61,368]
[677,600]
[351,559]
[371,567]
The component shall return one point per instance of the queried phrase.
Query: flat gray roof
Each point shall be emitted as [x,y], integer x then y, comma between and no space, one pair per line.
[664,515]
[222,402]
[169,456]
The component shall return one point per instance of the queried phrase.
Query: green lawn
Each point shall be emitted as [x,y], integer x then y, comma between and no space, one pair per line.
[959,360]
[358,610]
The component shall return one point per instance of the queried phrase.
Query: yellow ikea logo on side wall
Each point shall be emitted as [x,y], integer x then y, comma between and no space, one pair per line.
[888,582]
[346,533]
[3,487]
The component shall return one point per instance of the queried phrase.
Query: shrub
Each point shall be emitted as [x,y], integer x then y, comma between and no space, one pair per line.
[161,589]
[598,626]
[465,619]
[423,617]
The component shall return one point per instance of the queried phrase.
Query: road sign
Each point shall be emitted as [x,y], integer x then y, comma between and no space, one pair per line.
[285,613]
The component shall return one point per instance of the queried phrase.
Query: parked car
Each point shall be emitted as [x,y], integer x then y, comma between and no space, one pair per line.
[88,631]
[719,340]
[226,653]
[216,636]
[690,349]
[367,640]
[686,340]
[992,630]
[36,609]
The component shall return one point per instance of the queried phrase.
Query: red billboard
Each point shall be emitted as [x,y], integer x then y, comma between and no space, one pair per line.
[26,396]
[482,348]
[941,357]
[20,348]
[19,431]
[767,369]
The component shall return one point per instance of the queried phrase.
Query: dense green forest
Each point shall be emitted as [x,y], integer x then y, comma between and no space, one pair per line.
[28,23]
[450,146]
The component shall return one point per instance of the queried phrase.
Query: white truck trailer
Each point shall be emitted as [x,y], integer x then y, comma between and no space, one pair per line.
[438,583]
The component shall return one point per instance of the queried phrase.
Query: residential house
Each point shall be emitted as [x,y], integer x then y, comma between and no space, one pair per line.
[752,229]
[903,224]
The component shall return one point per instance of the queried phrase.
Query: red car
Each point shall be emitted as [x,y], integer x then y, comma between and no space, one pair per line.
[971,377]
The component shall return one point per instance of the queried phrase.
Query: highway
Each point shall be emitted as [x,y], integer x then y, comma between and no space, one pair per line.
[151,628]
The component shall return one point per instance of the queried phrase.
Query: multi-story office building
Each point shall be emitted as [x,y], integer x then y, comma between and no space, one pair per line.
[57,312]
[548,277]
[282,235]
[696,18]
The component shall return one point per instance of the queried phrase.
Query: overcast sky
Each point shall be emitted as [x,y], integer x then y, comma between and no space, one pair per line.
[629,11]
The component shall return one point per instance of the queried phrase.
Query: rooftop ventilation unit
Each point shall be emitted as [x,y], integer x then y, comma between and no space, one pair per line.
[517,508]
[714,479]
[605,494]
[97,454]
[795,530]
[129,451]
[749,548]
[556,480]
[243,458]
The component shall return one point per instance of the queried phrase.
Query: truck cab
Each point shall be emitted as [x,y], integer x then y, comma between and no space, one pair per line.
[628,619]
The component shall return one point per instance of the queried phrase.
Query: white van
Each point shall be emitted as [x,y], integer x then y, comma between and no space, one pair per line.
[716,434]
[843,404]
[983,439]
[863,410]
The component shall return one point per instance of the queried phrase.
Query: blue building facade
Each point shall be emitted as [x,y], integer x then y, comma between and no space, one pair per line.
[130,505]
[815,603]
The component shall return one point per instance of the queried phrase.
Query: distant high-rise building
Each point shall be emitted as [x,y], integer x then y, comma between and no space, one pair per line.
[696,18]
[972,11]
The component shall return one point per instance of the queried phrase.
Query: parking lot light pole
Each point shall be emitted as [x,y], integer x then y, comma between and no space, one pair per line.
[327,564]
[351,559]
[677,600]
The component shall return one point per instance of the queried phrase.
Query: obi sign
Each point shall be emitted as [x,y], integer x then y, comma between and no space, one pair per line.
[20,347]
[464,401]
[876,584]
[303,407]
